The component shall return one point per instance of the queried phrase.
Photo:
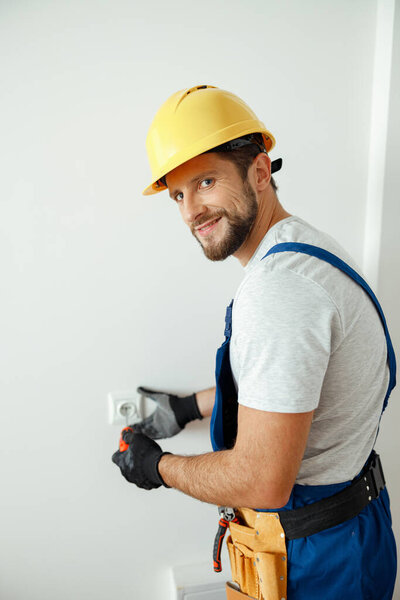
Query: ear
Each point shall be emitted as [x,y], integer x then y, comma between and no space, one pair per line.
[261,168]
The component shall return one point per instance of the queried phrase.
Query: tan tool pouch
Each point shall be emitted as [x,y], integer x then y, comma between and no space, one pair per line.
[257,552]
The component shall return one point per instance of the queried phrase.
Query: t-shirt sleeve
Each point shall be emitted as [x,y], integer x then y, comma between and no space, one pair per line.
[282,336]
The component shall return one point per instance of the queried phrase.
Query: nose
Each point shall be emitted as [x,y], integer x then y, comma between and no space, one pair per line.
[192,208]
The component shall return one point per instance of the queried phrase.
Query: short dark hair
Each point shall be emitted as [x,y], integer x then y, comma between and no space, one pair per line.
[243,157]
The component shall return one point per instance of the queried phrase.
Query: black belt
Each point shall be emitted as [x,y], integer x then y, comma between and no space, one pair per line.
[328,512]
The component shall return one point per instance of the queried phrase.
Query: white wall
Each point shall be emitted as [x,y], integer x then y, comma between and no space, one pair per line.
[104,289]
[389,280]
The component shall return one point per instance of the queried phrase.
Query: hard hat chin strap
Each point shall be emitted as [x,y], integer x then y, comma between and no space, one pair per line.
[247,140]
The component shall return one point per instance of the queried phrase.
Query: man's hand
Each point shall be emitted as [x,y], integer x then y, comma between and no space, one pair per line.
[139,463]
[171,415]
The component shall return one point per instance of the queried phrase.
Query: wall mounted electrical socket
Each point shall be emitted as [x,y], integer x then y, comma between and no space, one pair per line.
[128,407]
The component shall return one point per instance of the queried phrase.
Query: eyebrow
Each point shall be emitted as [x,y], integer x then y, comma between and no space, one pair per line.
[194,179]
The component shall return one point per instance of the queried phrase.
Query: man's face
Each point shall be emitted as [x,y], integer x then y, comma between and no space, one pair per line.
[218,207]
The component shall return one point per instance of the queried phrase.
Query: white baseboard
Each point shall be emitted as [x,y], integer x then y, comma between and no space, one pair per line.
[198,582]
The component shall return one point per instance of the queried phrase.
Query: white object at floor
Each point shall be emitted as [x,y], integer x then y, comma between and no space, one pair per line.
[198,582]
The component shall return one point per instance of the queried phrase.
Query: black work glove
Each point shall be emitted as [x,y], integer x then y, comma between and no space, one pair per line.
[171,415]
[139,463]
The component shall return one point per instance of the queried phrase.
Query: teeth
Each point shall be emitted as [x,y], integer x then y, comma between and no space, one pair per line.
[209,225]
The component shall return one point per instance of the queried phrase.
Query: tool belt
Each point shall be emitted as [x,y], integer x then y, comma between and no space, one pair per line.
[257,540]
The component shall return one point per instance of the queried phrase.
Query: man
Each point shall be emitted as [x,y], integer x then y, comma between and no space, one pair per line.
[302,378]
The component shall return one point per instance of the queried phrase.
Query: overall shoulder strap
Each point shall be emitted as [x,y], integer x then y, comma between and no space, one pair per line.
[340,264]
[228,321]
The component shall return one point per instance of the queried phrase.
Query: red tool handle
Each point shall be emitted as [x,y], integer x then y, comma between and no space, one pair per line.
[126,434]
[219,538]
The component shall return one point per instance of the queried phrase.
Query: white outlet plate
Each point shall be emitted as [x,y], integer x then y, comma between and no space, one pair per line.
[140,406]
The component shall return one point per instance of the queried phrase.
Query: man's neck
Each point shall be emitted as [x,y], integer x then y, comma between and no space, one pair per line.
[269,213]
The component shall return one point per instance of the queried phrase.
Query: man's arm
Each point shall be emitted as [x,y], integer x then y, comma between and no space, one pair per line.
[259,472]
[205,401]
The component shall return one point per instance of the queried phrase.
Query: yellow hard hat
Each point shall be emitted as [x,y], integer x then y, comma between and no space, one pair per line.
[196,120]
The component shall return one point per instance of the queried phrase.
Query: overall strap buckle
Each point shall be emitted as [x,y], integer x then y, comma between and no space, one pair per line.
[228,321]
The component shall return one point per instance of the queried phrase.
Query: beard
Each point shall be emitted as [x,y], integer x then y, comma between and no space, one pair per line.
[238,226]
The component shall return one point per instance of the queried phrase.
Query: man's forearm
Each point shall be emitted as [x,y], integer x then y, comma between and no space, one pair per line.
[205,401]
[222,478]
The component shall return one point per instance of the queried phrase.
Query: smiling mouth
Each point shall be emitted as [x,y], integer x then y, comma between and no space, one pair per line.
[209,227]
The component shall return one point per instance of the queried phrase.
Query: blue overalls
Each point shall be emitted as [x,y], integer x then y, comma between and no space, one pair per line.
[355,560]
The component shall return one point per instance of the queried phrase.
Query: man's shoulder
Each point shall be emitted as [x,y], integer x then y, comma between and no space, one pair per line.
[296,283]
[285,272]
[298,230]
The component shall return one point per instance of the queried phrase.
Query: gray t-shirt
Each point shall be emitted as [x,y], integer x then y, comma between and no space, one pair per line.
[306,336]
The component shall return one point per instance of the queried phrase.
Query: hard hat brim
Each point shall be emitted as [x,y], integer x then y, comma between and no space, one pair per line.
[206,144]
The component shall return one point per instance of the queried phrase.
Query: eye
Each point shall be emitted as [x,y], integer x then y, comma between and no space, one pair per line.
[177,197]
[205,180]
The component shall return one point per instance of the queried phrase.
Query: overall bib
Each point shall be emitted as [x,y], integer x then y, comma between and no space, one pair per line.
[355,560]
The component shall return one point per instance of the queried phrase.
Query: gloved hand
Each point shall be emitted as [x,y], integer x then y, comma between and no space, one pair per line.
[139,463]
[171,415]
